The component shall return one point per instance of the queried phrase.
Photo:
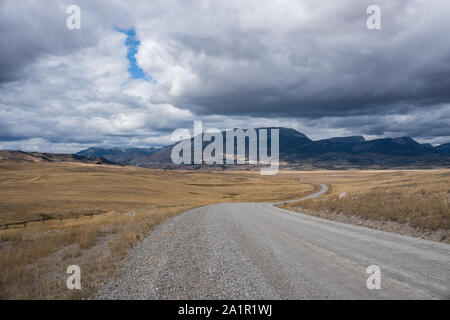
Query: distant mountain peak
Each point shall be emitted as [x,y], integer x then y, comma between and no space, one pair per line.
[350,139]
[283,131]
[116,154]
[405,140]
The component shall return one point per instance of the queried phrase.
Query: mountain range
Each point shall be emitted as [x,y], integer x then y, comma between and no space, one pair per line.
[129,156]
[300,152]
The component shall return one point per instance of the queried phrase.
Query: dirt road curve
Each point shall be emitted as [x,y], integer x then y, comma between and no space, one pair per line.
[259,251]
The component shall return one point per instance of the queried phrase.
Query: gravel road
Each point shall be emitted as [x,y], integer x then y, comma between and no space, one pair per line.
[259,251]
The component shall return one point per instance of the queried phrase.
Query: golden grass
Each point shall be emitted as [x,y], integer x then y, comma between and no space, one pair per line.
[29,190]
[419,198]
[129,202]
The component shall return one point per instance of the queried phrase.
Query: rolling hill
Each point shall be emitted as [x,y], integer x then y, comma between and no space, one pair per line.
[17,155]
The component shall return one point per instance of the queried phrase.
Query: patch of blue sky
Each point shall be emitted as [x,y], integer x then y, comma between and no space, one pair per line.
[133,44]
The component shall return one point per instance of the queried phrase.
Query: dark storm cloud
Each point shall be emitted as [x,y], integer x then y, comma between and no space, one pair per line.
[317,68]
[312,65]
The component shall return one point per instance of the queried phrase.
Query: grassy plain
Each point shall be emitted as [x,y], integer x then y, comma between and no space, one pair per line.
[127,203]
[413,202]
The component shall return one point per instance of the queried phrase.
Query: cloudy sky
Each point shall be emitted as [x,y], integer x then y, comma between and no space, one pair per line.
[137,70]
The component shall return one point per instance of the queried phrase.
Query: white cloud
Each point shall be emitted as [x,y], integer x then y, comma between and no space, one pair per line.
[309,64]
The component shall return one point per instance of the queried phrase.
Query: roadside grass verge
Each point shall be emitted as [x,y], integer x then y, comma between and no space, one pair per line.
[33,261]
[417,200]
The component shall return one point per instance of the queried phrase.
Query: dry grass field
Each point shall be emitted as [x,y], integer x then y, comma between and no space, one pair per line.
[127,203]
[413,202]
